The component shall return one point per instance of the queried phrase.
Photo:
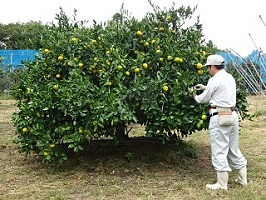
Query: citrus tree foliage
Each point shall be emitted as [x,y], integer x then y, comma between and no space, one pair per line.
[89,83]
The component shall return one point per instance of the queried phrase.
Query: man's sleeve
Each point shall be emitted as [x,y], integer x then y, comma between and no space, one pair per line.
[205,96]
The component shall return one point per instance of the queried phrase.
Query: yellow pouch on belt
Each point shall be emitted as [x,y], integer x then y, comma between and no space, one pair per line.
[225,117]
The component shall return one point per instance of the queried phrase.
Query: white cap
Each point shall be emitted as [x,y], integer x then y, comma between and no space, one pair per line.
[214,60]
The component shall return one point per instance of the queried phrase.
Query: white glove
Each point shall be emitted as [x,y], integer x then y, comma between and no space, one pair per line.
[200,87]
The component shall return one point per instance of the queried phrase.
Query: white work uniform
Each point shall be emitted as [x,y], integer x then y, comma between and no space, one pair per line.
[221,92]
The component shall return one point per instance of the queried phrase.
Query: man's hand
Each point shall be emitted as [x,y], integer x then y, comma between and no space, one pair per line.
[200,87]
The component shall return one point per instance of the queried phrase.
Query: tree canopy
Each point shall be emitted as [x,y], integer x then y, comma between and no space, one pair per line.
[20,35]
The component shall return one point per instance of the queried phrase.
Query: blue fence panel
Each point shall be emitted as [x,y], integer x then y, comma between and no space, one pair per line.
[261,61]
[14,58]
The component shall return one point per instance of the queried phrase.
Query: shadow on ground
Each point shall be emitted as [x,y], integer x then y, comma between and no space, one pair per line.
[135,156]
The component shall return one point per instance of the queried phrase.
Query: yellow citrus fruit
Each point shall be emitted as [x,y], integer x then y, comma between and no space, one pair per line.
[80,65]
[158,51]
[200,72]
[45,153]
[24,130]
[28,90]
[178,60]
[94,42]
[199,125]
[56,87]
[169,18]
[46,50]
[57,76]
[160,59]
[139,33]
[119,67]
[199,66]
[169,57]
[145,65]
[52,145]
[109,83]
[136,70]
[74,39]
[146,44]
[69,63]
[165,88]
[127,73]
[60,58]
[204,117]
[75,59]
[153,41]
[161,29]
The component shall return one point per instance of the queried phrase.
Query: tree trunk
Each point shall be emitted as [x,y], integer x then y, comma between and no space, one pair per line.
[120,133]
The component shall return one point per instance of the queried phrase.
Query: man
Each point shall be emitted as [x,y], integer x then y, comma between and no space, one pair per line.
[220,94]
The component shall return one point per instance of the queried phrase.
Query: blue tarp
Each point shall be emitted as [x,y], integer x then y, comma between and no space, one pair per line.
[14,58]
[255,57]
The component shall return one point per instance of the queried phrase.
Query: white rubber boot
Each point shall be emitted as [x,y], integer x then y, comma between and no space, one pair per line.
[222,180]
[242,176]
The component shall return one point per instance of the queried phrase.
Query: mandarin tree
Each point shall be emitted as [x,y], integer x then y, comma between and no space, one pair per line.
[92,82]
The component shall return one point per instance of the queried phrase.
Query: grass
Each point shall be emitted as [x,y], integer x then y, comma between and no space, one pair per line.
[136,171]
[6,96]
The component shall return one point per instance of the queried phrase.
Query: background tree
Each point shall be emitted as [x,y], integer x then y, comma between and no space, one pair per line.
[20,35]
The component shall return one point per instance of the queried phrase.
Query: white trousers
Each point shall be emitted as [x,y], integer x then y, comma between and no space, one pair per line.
[224,145]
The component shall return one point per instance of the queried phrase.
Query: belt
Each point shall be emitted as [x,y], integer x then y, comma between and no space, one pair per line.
[214,107]
[213,114]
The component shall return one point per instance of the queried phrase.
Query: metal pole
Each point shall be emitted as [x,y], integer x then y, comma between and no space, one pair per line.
[253,41]
[262,20]
[251,74]
[245,76]
[260,51]
[11,58]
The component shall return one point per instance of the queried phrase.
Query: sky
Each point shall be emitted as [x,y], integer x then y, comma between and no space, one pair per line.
[231,24]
